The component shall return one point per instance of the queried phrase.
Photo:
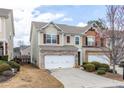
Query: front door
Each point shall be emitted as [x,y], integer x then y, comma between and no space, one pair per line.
[78,58]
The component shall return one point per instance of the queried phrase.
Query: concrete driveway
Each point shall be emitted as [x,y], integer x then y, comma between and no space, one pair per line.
[76,78]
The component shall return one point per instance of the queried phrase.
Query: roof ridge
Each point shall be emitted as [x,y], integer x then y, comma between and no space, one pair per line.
[58,24]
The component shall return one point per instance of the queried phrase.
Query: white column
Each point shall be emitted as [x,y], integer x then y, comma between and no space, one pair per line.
[81,58]
[62,39]
[4,48]
[39,42]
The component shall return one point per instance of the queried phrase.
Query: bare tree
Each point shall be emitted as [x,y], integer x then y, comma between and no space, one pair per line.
[115,34]
[20,43]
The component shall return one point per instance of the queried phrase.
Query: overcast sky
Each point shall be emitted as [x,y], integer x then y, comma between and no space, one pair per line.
[27,10]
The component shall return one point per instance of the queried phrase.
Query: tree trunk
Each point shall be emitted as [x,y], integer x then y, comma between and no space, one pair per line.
[114,70]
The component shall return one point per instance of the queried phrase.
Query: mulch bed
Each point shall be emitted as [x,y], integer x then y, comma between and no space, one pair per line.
[113,76]
[5,78]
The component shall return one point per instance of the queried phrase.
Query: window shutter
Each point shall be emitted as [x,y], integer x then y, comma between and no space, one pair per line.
[68,39]
[57,39]
[86,41]
[44,38]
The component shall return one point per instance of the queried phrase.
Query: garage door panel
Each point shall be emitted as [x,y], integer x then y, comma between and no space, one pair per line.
[57,61]
[99,58]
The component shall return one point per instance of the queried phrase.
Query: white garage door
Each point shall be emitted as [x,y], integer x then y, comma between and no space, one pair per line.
[99,58]
[56,61]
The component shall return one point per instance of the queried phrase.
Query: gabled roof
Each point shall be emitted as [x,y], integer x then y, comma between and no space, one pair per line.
[67,29]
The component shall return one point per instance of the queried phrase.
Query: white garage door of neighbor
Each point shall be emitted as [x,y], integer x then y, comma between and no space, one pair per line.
[99,58]
[56,61]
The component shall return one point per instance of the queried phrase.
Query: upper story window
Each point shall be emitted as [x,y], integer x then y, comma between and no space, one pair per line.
[68,39]
[77,40]
[90,40]
[51,39]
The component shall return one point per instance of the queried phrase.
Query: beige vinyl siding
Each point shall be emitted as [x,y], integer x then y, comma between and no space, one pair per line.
[71,40]
[34,46]
[50,30]
[2,29]
[9,36]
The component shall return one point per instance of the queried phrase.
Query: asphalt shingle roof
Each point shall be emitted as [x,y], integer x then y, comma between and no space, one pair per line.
[66,28]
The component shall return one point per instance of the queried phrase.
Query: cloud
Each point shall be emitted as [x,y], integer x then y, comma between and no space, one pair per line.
[22,12]
[81,24]
[67,19]
[47,17]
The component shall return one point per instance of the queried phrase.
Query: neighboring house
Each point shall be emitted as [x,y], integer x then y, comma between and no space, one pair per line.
[62,46]
[16,53]
[25,51]
[6,33]
[22,51]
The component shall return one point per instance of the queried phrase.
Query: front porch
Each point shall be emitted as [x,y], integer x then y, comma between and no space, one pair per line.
[3,48]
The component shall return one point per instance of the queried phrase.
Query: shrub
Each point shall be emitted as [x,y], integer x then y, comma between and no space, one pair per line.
[102,68]
[97,64]
[5,58]
[84,63]
[89,67]
[101,72]
[84,66]
[4,67]
[14,65]
[103,65]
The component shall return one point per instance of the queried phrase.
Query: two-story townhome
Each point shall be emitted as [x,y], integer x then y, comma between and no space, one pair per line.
[63,46]
[6,33]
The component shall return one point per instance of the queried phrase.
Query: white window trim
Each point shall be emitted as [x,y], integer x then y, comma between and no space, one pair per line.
[91,37]
[51,39]
[75,40]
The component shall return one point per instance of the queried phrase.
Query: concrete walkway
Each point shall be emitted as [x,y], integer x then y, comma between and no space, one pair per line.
[76,78]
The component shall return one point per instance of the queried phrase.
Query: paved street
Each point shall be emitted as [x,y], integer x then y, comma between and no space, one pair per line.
[76,78]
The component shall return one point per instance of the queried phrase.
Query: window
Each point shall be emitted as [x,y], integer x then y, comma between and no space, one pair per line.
[91,40]
[68,39]
[51,39]
[77,40]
